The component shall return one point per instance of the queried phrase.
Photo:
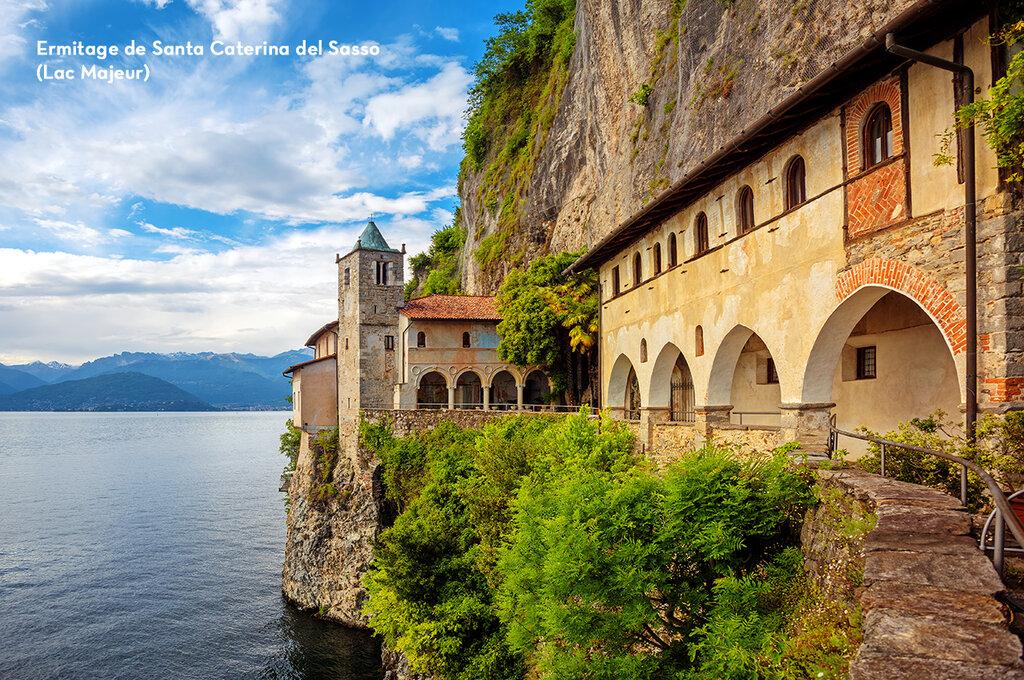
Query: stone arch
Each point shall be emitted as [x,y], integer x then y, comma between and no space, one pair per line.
[469,389]
[432,390]
[503,388]
[856,303]
[433,369]
[535,385]
[658,393]
[469,369]
[720,378]
[616,395]
[928,293]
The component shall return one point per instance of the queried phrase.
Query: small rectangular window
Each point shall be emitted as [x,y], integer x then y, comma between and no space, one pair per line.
[866,367]
[348,276]
[773,375]
[615,280]
[389,342]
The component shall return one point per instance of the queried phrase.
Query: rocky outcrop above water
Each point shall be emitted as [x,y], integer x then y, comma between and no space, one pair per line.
[330,536]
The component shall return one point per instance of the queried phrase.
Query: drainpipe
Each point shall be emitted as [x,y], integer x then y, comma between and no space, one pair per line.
[970,235]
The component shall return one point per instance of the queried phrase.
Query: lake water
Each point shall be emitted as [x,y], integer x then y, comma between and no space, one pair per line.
[150,545]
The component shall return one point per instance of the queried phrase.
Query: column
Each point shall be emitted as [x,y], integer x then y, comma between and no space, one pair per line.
[451,397]
[519,397]
[487,397]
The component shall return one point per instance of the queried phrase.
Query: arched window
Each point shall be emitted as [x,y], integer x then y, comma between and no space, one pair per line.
[616,287]
[796,193]
[657,258]
[698,341]
[421,339]
[701,239]
[638,274]
[745,209]
[643,350]
[878,136]
[673,255]
[465,339]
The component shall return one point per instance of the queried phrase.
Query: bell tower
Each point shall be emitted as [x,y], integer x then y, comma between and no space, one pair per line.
[370,291]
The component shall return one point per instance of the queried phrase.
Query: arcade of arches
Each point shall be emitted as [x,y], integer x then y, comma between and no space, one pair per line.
[470,390]
[878,360]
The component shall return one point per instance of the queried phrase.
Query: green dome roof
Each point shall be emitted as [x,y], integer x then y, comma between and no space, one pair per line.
[371,239]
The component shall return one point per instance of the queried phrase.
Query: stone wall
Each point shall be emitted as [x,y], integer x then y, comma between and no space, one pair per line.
[928,595]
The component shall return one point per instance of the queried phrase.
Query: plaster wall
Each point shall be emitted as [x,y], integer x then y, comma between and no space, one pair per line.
[799,276]
[315,395]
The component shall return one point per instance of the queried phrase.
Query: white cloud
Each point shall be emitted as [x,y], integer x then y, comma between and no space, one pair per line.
[12,17]
[77,232]
[245,20]
[432,110]
[174,232]
[451,34]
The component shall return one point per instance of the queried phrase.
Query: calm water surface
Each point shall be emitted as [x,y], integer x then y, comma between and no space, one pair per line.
[149,545]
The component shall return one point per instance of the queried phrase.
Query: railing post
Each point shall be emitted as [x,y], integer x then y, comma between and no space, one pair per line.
[999,541]
[963,486]
[883,459]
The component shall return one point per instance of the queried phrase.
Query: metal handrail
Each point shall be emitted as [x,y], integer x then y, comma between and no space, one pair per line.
[1006,514]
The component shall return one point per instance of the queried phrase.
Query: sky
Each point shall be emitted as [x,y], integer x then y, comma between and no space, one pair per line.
[200,208]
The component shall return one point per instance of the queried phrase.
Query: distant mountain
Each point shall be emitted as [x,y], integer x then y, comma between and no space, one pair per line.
[18,380]
[6,389]
[49,373]
[111,392]
[230,381]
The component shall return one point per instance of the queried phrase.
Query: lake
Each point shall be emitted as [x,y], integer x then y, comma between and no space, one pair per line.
[150,545]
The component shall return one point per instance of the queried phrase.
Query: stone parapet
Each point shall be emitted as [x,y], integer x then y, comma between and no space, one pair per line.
[929,594]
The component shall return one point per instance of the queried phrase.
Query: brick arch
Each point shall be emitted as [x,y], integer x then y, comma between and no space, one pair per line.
[933,297]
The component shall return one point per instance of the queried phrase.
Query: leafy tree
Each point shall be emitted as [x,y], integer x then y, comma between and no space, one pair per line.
[613,572]
[550,319]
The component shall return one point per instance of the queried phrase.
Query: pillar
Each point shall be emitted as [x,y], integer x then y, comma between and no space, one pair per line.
[806,423]
[451,397]
[709,417]
[487,397]
[519,397]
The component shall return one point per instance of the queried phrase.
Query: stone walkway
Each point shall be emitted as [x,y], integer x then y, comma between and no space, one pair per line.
[929,603]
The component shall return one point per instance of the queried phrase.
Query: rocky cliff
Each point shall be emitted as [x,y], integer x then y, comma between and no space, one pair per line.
[698,71]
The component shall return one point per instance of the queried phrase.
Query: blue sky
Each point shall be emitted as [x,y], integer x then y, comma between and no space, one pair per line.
[201,209]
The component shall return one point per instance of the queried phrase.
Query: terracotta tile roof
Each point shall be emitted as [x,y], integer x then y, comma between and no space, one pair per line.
[460,307]
[291,369]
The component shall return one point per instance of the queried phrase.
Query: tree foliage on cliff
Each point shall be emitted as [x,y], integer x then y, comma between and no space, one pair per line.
[549,544]
[548,317]
[526,43]
[439,266]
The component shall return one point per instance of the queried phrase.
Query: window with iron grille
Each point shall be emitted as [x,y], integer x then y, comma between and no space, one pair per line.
[866,366]
[389,342]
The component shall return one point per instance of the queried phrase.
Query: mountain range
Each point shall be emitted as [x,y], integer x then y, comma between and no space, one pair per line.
[223,381]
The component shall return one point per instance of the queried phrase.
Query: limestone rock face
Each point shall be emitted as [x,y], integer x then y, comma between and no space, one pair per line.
[605,158]
[330,539]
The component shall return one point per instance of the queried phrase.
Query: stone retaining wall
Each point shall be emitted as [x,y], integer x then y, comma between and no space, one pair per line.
[928,595]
